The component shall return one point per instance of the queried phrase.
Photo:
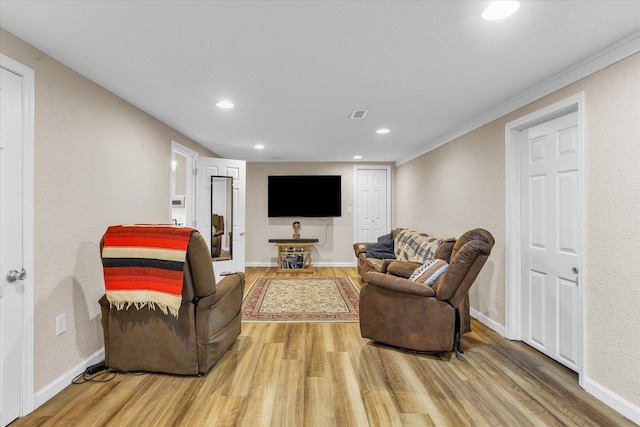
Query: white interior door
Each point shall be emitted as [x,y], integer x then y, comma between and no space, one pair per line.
[236,169]
[372,203]
[550,238]
[183,183]
[12,274]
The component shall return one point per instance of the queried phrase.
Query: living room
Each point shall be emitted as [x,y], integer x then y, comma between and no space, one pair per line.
[99,160]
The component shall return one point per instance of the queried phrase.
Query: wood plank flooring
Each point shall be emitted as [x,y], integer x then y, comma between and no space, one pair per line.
[325,374]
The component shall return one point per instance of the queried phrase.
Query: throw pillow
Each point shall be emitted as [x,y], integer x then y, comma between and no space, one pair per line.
[429,272]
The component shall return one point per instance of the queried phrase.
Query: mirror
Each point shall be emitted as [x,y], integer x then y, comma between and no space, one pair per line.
[221,218]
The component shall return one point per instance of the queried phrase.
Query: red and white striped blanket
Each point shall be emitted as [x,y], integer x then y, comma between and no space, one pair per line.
[144,266]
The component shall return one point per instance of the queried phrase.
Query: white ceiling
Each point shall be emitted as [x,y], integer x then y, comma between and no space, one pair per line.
[296,70]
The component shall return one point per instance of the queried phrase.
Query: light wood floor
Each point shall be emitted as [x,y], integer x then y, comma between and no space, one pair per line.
[325,374]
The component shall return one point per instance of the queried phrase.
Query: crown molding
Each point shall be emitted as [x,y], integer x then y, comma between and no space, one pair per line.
[618,51]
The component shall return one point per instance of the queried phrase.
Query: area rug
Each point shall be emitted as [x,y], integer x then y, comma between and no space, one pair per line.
[304,299]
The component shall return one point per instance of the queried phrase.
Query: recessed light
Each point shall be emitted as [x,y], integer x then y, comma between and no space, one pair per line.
[500,10]
[357,157]
[259,147]
[224,104]
[383,131]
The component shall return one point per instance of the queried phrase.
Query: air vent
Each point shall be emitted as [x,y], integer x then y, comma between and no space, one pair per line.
[358,114]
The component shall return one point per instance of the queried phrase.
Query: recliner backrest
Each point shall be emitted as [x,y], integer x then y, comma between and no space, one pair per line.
[199,278]
[218,223]
[200,266]
[467,258]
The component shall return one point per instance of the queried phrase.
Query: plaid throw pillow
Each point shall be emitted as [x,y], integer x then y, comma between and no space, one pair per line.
[415,247]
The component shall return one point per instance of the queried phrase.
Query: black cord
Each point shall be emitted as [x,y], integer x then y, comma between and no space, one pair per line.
[84,377]
[326,228]
[94,377]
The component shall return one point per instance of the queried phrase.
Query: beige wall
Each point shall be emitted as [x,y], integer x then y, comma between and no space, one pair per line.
[336,235]
[462,186]
[98,161]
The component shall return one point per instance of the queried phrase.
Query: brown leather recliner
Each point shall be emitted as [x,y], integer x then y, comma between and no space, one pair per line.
[414,316]
[217,224]
[208,322]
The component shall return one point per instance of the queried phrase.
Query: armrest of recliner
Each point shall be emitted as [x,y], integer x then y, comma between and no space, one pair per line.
[360,248]
[399,284]
[402,268]
[223,287]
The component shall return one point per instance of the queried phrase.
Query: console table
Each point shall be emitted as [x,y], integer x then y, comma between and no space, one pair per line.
[294,255]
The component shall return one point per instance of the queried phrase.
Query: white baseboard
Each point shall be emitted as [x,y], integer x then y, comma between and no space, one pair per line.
[601,393]
[315,264]
[334,264]
[611,399]
[57,385]
[488,322]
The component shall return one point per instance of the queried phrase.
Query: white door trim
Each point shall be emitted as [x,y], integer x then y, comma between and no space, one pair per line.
[191,197]
[513,215]
[28,99]
[356,193]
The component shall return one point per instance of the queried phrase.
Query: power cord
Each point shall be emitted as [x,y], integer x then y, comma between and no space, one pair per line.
[100,373]
[326,229]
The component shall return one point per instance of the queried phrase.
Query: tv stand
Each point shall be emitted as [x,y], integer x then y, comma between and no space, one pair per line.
[294,255]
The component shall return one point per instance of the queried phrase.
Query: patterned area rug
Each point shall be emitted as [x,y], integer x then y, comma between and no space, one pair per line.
[293,299]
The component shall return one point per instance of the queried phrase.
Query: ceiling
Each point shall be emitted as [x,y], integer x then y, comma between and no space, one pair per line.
[296,70]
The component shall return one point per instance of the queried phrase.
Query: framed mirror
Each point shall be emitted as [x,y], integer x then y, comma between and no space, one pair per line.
[221,218]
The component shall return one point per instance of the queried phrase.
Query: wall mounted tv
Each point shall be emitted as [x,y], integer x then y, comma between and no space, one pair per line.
[304,196]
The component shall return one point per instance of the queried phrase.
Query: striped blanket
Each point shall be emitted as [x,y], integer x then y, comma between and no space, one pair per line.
[144,266]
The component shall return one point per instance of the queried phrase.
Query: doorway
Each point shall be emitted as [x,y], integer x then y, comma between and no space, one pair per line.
[16,239]
[183,185]
[230,209]
[545,280]
[372,198]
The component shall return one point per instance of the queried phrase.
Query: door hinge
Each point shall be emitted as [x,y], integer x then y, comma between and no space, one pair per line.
[195,172]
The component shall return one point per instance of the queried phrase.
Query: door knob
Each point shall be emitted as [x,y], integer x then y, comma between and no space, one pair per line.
[14,275]
[574,270]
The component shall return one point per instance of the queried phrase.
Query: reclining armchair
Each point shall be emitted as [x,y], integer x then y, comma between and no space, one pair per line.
[411,315]
[206,317]
[217,224]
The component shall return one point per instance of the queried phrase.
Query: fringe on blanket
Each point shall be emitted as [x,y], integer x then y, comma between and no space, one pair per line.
[124,305]
[167,303]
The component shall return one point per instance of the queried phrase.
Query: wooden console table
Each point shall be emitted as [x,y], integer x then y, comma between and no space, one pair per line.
[294,255]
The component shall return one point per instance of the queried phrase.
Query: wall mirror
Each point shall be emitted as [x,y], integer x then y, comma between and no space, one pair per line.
[221,218]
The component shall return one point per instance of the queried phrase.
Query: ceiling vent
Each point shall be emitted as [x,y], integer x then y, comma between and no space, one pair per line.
[358,114]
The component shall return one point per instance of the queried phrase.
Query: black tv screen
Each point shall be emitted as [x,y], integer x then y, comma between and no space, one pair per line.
[304,196]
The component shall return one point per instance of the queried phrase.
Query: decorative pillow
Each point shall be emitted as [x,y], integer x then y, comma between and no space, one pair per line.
[429,272]
[415,247]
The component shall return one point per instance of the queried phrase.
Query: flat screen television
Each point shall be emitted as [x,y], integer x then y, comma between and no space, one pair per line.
[304,196]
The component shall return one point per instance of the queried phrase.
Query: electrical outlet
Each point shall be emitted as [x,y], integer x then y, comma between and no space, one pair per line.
[61,324]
